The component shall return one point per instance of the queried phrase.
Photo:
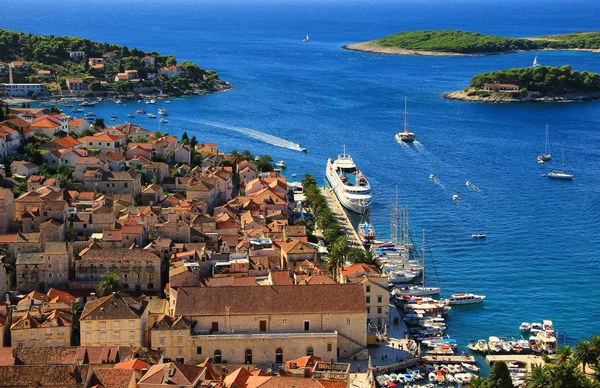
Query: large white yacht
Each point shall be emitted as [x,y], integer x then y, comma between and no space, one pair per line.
[349,184]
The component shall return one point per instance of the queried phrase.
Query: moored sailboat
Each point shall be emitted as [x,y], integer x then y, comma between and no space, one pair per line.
[405,136]
[561,174]
[546,156]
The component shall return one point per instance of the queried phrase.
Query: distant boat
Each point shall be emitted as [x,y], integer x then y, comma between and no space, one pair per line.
[130,115]
[141,111]
[535,63]
[561,174]
[88,103]
[281,164]
[164,121]
[151,102]
[118,101]
[307,39]
[405,136]
[151,116]
[478,235]
[302,149]
[546,156]
[163,112]
[167,102]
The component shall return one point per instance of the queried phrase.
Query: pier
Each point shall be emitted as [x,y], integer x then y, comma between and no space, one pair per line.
[527,359]
[334,204]
[448,359]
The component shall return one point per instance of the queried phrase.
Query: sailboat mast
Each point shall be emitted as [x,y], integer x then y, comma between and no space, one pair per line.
[405,125]
[423,257]
[547,141]
[563,158]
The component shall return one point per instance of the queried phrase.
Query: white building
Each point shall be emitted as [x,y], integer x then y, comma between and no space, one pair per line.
[77,54]
[23,90]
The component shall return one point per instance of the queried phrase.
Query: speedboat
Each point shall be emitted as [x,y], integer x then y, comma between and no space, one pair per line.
[113,117]
[478,235]
[506,346]
[548,327]
[151,102]
[141,111]
[90,114]
[465,299]
[163,112]
[455,198]
[281,164]
[433,177]
[164,121]
[348,183]
[416,291]
[167,102]
[150,116]
[118,101]
[88,103]
[78,110]
[495,345]
[534,343]
[130,115]
[366,232]
[302,149]
[536,327]
[471,367]
[525,326]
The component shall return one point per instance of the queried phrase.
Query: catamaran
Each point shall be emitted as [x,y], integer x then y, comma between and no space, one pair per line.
[561,174]
[546,156]
[405,136]
[306,39]
[348,183]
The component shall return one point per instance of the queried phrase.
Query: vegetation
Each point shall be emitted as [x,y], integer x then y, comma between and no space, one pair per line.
[111,282]
[464,42]
[543,79]
[52,53]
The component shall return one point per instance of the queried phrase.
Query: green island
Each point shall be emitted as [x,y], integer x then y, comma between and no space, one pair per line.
[98,69]
[542,83]
[462,43]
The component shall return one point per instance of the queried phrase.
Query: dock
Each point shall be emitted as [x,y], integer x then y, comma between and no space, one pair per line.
[340,214]
[448,359]
[528,359]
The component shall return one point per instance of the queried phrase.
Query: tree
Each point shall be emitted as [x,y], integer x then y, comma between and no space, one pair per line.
[157,135]
[308,180]
[184,138]
[111,282]
[499,376]
[99,123]
[539,377]
[265,163]
[193,142]
[585,354]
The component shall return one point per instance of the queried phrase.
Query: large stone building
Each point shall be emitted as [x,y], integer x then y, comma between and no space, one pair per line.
[139,268]
[44,270]
[114,320]
[270,324]
[38,328]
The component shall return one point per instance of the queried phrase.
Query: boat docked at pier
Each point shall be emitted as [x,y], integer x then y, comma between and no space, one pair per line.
[366,231]
[466,298]
[348,183]
[405,136]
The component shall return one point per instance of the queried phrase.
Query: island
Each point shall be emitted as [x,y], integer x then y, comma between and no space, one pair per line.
[73,66]
[464,43]
[541,83]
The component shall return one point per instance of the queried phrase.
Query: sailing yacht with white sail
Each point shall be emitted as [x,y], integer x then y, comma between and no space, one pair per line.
[405,136]
[535,62]
[546,156]
[561,174]
[307,39]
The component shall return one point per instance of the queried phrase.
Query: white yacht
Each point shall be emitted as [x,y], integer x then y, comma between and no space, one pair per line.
[281,164]
[163,112]
[349,184]
[495,344]
[465,299]
[561,174]
[405,136]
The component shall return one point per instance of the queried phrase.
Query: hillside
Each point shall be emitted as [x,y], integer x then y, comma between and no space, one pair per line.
[99,66]
[436,42]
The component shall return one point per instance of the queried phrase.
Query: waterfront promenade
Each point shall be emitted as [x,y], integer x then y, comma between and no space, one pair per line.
[340,214]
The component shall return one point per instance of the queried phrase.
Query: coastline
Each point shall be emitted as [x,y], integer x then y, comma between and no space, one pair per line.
[372,47]
[501,98]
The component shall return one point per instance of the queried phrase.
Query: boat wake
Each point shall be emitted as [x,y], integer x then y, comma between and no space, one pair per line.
[472,187]
[254,134]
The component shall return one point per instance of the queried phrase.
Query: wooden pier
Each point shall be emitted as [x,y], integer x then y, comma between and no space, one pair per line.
[334,204]
[528,359]
[448,359]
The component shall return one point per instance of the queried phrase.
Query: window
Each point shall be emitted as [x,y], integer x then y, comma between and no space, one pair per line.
[162,340]
[215,326]
[306,325]
[102,325]
[149,276]
[368,288]
[117,323]
[61,342]
[117,335]
[262,326]
[102,336]
[379,298]
[131,323]
[179,340]
[283,321]
[347,321]
[310,351]
[379,310]
[131,334]
[198,349]
[368,299]
[279,356]
[60,330]
[248,356]
[217,356]
[48,343]
[124,276]
[329,347]
[368,310]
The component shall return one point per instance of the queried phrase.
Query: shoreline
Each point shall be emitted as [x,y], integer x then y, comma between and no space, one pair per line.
[502,98]
[373,48]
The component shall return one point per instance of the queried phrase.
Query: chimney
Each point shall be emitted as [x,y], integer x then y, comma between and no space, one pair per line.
[10,76]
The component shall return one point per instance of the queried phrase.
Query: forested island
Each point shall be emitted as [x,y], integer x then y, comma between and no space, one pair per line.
[459,43]
[542,83]
[102,68]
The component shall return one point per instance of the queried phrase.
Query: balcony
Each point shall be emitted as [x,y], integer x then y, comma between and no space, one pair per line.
[149,268]
[137,268]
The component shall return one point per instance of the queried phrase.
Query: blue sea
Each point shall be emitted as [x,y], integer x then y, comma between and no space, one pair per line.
[541,256]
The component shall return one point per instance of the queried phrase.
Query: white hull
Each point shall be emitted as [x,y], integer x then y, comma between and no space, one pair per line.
[358,201]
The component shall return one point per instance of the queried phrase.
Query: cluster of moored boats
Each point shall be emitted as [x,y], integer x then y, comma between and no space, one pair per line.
[435,374]
[540,339]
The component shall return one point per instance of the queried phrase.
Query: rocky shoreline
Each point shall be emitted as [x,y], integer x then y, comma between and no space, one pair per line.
[499,98]
[372,47]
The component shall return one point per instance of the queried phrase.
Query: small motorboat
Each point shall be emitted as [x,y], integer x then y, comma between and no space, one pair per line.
[151,102]
[455,198]
[167,102]
[163,112]
[164,121]
[118,102]
[139,101]
[506,346]
[394,377]
[130,115]
[281,164]
[113,117]
[478,235]
[525,326]
[536,327]
[90,114]
[471,367]
[303,149]
[141,111]
[431,176]
[151,116]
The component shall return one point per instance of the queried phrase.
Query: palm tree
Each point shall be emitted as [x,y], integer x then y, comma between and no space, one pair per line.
[584,354]
[539,377]
[111,282]
[595,342]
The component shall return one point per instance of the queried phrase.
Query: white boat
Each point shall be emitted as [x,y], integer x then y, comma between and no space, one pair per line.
[167,102]
[151,102]
[478,235]
[547,342]
[536,327]
[118,101]
[150,116]
[307,39]
[432,377]
[348,183]
[281,164]
[506,346]
[163,112]
[471,367]
[416,291]
[535,62]
[112,117]
[455,198]
[432,177]
[495,345]
[465,299]
[561,174]
[366,232]
[548,327]
[405,136]
[130,115]
[546,156]
[525,326]
[164,121]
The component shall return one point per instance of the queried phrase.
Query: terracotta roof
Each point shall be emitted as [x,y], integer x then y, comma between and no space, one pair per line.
[281,278]
[100,137]
[172,374]
[359,269]
[59,296]
[297,247]
[112,307]
[320,298]
[135,364]
[112,378]
[44,122]
[238,378]
[111,155]
[47,375]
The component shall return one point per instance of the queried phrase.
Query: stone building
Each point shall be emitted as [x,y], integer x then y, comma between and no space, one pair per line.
[38,328]
[7,209]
